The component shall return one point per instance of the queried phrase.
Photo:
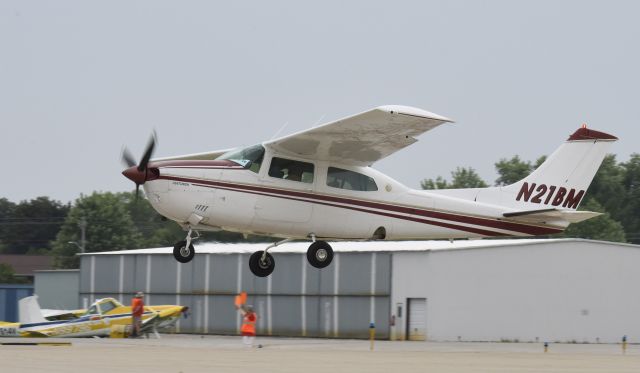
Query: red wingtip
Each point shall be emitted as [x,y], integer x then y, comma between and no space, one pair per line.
[583,133]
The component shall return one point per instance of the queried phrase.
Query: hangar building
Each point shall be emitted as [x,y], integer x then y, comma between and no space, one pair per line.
[552,290]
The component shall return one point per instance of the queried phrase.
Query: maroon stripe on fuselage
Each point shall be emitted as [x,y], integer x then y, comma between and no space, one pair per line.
[431,222]
[521,228]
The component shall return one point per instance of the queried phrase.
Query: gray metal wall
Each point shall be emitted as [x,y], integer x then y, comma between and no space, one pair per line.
[296,300]
[57,289]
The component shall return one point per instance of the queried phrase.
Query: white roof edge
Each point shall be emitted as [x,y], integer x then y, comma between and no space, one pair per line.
[361,246]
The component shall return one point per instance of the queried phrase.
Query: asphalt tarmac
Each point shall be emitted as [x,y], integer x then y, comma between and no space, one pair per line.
[194,353]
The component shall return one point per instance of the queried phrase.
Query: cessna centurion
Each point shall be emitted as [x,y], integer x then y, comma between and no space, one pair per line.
[318,185]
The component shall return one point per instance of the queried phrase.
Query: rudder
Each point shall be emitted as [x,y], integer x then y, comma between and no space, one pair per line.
[562,180]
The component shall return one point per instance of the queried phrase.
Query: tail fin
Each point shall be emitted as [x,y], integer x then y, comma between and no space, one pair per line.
[562,180]
[551,194]
[29,310]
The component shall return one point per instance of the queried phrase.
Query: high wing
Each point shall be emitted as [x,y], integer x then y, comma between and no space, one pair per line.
[361,139]
[195,156]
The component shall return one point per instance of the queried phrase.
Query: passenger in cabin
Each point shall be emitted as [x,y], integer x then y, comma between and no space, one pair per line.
[294,173]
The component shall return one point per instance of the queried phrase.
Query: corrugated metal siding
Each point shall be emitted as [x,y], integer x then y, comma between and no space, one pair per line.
[57,289]
[326,303]
[10,294]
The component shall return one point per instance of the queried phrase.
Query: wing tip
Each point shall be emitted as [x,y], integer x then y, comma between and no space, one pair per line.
[409,110]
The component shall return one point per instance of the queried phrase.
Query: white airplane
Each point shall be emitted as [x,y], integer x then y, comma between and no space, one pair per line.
[318,185]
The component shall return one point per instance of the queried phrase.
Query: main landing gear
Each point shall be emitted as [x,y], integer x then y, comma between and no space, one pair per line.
[184,251]
[261,263]
[319,255]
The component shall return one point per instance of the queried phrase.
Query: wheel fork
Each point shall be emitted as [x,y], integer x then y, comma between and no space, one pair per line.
[189,239]
[264,253]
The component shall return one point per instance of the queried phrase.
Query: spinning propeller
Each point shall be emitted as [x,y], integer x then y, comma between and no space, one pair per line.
[139,173]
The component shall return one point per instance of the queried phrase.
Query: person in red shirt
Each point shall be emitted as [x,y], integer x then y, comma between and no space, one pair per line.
[248,329]
[137,309]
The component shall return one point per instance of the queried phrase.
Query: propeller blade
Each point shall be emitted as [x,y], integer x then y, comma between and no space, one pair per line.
[148,152]
[137,189]
[127,158]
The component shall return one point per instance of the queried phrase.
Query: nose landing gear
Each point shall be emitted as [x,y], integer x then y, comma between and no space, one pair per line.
[184,251]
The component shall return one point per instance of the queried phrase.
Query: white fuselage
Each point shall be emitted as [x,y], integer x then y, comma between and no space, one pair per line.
[212,195]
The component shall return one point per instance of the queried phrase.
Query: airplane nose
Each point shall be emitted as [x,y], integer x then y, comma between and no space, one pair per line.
[135,175]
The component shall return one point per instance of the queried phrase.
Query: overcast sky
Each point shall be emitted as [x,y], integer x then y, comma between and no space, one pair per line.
[80,79]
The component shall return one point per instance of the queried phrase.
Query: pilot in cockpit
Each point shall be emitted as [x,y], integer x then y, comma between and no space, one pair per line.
[294,173]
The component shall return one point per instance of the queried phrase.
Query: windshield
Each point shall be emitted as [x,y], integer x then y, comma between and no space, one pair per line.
[107,306]
[250,158]
[92,311]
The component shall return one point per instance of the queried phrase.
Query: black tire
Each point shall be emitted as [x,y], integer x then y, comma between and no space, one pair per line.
[320,254]
[260,268]
[182,253]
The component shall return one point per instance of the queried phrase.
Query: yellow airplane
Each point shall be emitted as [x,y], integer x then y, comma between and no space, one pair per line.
[105,316]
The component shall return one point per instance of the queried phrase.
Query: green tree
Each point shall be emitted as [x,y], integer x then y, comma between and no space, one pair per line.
[32,225]
[461,178]
[7,275]
[512,170]
[109,227]
[438,183]
[608,187]
[602,227]
[6,212]
[629,212]
[466,178]
[539,162]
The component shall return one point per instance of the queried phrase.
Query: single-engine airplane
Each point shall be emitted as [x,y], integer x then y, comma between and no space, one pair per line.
[97,321]
[318,185]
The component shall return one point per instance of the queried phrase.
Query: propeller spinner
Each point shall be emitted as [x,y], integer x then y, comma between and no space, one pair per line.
[139,173]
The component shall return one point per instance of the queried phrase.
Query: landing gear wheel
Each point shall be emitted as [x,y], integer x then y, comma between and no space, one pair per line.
[182,253]
[259,267]
[320,254]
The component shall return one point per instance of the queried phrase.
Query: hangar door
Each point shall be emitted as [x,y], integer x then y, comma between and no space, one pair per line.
[417,322]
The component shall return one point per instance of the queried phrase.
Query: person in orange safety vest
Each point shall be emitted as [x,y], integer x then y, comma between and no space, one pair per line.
[137,309]
[248,329]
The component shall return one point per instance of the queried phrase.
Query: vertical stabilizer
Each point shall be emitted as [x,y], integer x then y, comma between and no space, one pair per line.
[562,180]
[29,310]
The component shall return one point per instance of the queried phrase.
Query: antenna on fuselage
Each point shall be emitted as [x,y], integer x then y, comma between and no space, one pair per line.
[318,121]
[280,130]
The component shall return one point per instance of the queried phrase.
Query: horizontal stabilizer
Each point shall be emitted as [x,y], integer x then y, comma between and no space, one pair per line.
[553,215]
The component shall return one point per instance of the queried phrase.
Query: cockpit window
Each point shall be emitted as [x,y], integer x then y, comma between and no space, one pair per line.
[249,158]
[289,169]
[107,306]
[350,180]
[93,310]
